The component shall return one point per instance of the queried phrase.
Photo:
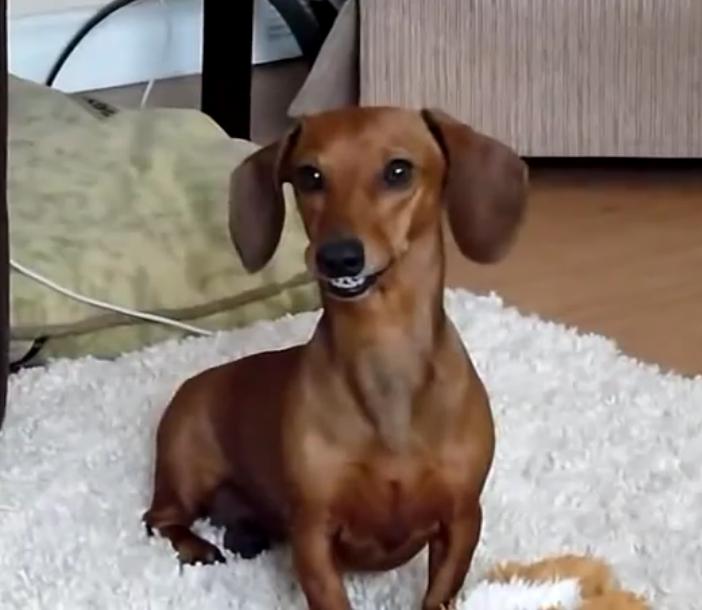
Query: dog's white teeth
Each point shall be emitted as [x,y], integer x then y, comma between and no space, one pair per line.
[347,283]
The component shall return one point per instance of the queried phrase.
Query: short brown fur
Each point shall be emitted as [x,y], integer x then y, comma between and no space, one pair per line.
[375,438]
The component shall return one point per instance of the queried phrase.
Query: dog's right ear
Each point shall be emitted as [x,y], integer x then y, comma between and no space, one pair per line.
[257,204]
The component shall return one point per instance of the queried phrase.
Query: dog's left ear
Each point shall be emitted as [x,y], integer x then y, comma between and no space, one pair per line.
[485,188]
[257,204]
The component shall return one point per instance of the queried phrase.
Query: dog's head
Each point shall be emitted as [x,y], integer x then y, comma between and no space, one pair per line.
[369,182]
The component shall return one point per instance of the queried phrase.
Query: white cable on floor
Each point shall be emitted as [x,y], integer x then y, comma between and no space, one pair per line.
[108,306]
[167,43]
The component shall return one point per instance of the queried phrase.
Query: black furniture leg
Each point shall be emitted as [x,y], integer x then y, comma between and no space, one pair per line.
[4,263]
[227,49]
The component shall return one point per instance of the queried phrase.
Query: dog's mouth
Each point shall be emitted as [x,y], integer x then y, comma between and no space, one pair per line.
[351,287]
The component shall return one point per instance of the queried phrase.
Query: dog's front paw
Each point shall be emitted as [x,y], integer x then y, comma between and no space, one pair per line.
[196,551]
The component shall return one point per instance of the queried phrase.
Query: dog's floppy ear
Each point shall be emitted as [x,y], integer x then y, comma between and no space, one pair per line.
[256,202]
[485,188]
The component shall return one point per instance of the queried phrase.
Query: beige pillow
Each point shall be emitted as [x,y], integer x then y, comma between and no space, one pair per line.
[130,207]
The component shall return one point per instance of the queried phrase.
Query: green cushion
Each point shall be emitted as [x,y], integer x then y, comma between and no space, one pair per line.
[130,207]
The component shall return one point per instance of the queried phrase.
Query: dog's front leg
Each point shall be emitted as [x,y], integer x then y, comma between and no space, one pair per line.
[317,571]
[450,556]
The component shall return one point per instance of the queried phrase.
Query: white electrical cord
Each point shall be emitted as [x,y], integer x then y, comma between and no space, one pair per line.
[108,306]
[167,44]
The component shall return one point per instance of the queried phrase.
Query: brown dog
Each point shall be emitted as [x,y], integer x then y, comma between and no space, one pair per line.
[375,438]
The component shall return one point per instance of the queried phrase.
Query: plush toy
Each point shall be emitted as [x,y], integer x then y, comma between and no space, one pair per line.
[598,587]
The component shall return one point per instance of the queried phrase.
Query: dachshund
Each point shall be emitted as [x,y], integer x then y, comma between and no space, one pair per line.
[375,438]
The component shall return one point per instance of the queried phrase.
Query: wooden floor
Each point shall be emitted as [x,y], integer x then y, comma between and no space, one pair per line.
[612,250]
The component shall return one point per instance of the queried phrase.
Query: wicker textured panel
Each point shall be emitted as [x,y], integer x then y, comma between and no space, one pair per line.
[549,77]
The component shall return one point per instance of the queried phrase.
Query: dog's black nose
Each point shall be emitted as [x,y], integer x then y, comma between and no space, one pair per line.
[341,258]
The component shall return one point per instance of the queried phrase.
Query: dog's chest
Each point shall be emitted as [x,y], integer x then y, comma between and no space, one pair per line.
[390,503]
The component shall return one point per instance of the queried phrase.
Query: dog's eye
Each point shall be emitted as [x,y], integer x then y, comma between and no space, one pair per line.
[397,173]
[309,179]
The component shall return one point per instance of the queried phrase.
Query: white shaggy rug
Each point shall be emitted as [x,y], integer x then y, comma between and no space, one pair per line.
[596,452]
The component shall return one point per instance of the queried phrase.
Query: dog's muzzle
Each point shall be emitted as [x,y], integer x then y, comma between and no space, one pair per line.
[341,264]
